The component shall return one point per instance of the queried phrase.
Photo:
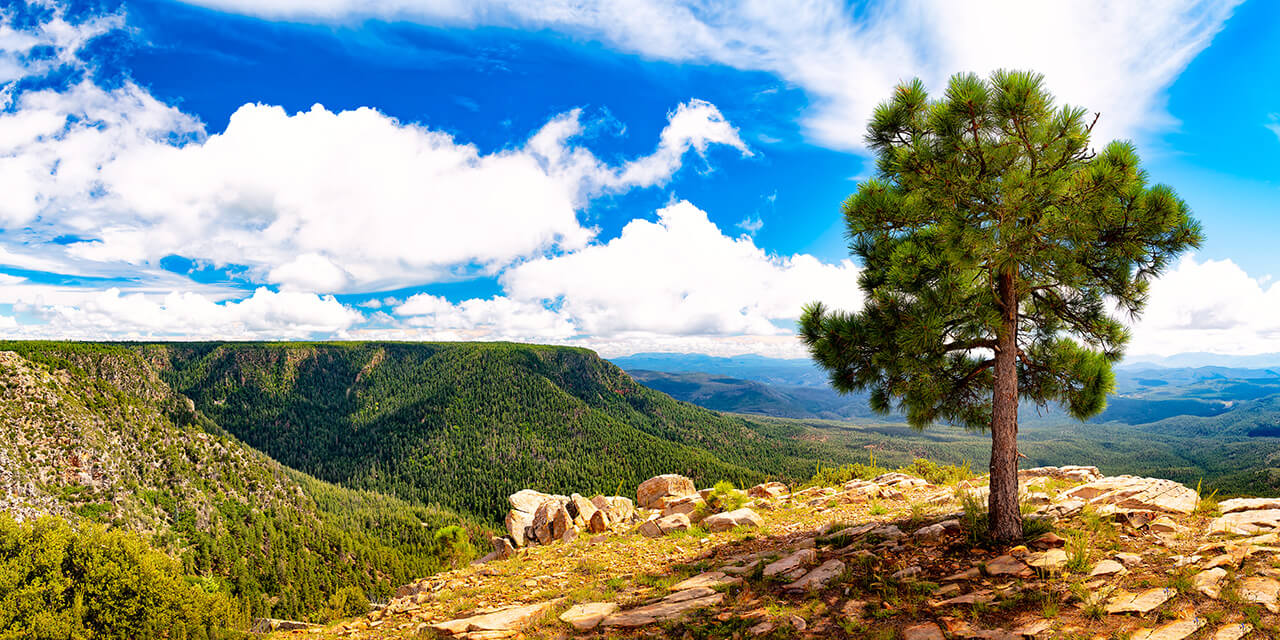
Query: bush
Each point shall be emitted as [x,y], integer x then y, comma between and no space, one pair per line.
[347,602]
[724,497]
[60,581]
[455,544]
[938,474]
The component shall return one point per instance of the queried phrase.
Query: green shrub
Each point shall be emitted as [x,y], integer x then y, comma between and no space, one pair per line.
[60,581]
[347,602]
[455,544]
[938,474]
[724,497]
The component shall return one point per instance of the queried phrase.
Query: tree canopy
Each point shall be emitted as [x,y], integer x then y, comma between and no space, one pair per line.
[1001,254]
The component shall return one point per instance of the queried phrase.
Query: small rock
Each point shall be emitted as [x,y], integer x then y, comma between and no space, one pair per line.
[1050,540]
[661,611]
[710,580]
[1164,524]
[762,628]
[909,572]
[791,564]
[1129,559]
[819,577]
[1107,568]
[1051,561]
[1006,566]
[798,623]
[768,490]
[743,517]
[1207,582]
[926,631]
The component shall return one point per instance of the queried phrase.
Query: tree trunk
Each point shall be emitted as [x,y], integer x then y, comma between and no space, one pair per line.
[1005,518]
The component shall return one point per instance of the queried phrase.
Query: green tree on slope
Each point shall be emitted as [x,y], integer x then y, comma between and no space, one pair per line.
[998,248]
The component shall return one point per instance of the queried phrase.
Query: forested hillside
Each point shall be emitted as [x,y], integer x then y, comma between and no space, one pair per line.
[92,434]
[466,424]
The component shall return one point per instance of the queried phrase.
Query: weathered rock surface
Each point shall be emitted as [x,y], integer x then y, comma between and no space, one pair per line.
[1207,582]
[1107,568]
[1261,590]
[1132,492]
[1176,630]
[1071,473]
[651,492]
[668,609]
[1248,504]
[926,631]
[585,617]
[1234,631]
[1246,522]
[1006,566]
[768,490]
[791,564]
[659,527]
[743,517]
[1142,602]
[1051,561]
[708,580]
[818,577]
[509,619]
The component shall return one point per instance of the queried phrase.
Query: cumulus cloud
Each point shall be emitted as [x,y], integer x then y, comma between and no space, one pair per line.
[1209,305]
[343,201]
[1114,57]
[674,283]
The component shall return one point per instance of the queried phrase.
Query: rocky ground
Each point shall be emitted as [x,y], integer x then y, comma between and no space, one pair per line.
[893,557]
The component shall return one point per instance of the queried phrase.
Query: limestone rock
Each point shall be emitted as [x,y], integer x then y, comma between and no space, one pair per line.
[1248,504]
[1107,568]
[509,619]
[660,611]
[791,564]
[1247,522]
[926,631]
[819,577]
[581,509]
[1234,631]
[688,505]
[1006,566]
[1261,590]
[1051,561]
[743,517]
[1143,602]
[1176,630]
[1132,492]
[587,616]
[1165,524]
[517,522]
[651,492]
[768,490]
[708,580]
[659,527]
[599,522]
[527,500]
[1207,582]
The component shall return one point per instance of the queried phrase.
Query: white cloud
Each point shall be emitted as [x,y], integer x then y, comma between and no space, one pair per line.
[316,200]
[675,283]
[1109,56]
[1273,124]
[113,314]
[1212,306]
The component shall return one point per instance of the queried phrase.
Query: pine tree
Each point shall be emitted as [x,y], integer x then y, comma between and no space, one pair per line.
[998,249]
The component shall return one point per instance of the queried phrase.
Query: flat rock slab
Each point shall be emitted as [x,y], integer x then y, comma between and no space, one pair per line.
[660,612]
[509,619]
[1007,566]
[819,577]
[587,616]
[1248,504]
[1034,628]
[791,563]
[1263,591]
[1246,523]
[1051,561]
[710,580]
[1132,492]
[1207,582]
[967,599]
[1142,602]
[1176,630]
[1232,631]
[926,631]
[1107,568]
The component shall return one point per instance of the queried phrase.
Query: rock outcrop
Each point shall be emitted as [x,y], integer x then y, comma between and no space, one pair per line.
[654,492]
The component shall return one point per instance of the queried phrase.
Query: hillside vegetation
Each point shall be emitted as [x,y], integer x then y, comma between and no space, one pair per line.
[92,434]
[463,425]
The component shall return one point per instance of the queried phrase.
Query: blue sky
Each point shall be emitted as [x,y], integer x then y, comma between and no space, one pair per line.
[659,176]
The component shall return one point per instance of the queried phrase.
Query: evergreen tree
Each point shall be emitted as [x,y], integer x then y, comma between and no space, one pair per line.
[997,247]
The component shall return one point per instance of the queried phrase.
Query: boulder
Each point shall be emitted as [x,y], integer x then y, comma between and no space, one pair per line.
[1107,568]
[768,490]
[743,517]
[688,505]
[651,492]
[587,616]
[581,509]
[550,523]
[517,522]
[1248,504]
[618,508]
[1135,493]
[599,522]
[527,500]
